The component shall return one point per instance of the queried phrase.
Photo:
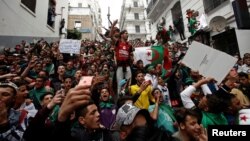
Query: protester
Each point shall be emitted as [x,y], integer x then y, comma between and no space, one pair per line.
[40,128]
[161,113]
[211,106]
[11,129]
[107,108]
[49,103]
[189,124]
[141,91]
[131,120]
[122,53]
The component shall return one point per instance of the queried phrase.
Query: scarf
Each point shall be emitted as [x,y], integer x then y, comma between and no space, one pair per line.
[107,105]
[169,110]
[213,119]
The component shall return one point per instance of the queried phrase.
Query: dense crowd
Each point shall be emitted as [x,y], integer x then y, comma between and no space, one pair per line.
[42,96]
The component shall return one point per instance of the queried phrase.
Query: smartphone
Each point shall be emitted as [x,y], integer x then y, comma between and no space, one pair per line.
[86,80]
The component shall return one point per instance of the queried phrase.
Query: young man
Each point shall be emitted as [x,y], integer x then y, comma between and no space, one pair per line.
[189,126]
[38,91]
[123,51]
[87,116]
[141,91]
[40,128]
[161,113]
[211,106]
[133,123]
[9,118]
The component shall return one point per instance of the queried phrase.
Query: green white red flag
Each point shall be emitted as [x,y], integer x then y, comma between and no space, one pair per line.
[153,55]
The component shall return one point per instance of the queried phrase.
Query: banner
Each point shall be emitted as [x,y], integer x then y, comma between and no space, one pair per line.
[70,46]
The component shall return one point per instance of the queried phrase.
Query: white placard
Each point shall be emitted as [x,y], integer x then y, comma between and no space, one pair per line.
[208,62]
[70,46]
[243,37]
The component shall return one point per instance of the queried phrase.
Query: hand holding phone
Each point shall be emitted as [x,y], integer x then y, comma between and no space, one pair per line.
[86,80]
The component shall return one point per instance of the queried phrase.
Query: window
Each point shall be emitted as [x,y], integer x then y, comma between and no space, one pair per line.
[51,16]
[51,13]
[31,4]
[178,20]
[135,4]
[137,29]
[79,4]
[226,42]
[136,16]
[209,5]
[78,24]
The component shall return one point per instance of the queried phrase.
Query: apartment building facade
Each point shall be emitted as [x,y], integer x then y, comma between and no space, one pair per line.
[85,16]
[133,18]
[224,37]
[30,20]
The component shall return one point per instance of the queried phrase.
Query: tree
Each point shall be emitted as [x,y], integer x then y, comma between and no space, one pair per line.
[74,34]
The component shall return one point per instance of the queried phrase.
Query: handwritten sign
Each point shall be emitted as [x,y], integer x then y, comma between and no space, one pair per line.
[70,46]
[209,62]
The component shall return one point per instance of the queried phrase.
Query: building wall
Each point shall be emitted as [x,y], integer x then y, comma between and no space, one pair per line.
[130,22]
[225,10]
[89,14]
[17,21]
[166,13]
[86,22]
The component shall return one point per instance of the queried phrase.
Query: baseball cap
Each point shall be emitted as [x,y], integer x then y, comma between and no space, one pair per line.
[9,84]
[126,115]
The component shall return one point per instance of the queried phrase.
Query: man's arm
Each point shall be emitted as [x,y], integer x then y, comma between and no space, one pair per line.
[186,93]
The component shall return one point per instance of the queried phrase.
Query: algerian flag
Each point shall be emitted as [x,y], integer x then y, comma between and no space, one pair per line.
[153,55]
[244,117]
[149,55]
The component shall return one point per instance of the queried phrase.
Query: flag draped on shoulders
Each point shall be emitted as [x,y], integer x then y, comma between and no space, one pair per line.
[153,55]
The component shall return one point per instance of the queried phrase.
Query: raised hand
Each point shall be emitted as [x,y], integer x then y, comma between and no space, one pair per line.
[57,99]
[76,97]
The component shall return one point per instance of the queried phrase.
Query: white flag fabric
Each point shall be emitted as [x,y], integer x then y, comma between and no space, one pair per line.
[143,53]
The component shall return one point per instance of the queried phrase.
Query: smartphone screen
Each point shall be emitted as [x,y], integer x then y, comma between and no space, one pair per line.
[86,80]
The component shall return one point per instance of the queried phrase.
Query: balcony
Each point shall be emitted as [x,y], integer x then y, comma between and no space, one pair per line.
[156,7]
[142,20]
[139,7]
